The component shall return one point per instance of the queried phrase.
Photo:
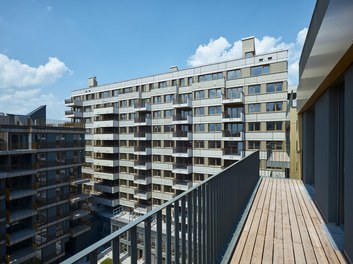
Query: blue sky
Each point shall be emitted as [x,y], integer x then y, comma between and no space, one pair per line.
[48,48]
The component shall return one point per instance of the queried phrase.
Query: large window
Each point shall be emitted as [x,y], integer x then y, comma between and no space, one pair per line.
[259,70]
[157,114]
[214,144]
[214,110]
[233,74]
[214,161]
[200,128]
[213,93]
[199,111]
[254,108]
[162,84]
[168,98]
[157,100]
[274,126]
[199,144]
[157,129]
[168,128]
[214,127]
[233,93]
[274,87]
[199,95]
[199,160]
[234,129]
[274,145]
[254,126]
[254,145]
[274,106]
[254,89]
[205,78]
[168,113]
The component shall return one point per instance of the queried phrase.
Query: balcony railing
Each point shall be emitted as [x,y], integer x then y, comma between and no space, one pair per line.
[198,224]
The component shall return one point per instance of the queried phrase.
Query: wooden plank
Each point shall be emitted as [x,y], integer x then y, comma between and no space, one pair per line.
[263,194]
[273,196]
[320,255]
[278,251]
[308,248]
[258,249]
[341,256]
[268,250]
[239,248]
[265,209]
[326,245]
[278,215]
[298,253]
[292,216]
[306,198]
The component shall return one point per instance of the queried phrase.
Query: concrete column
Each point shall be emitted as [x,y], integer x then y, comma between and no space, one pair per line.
[348,164]
[326,147]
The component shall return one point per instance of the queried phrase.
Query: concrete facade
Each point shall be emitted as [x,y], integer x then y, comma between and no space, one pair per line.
[151,138]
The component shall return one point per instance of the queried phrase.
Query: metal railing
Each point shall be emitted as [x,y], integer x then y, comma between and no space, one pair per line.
[198,226]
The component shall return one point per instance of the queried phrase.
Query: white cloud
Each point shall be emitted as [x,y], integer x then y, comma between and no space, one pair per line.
[221,50]
[14,74]
[24,86]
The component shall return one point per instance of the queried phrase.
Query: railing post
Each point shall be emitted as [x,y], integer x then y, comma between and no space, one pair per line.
[116,250]
[93,259]
[183,230]
[194,202]
[147,241]
[133,245]
[159,237]
[190,208]
[168,258]
[176,231]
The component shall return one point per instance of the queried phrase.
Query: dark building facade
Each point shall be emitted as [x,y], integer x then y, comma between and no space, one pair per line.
[325,96]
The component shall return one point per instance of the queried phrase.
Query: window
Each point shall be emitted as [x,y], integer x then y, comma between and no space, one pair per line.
[157,129]
[274,145]
[249,54]
[213,93]
[168,128]
[199,160]
[123,103]
[182,82]
[233,93]
[274,126]
[157,114]
[157,173]
[156,143]
[254,145]
[190,80]
[231,75]
[205,78]
[214,110]
[198,177]
[214,162]
[169,144]
[162,84]
[199,111]
[156,187]
[233,112]
[217,76]
[168,113]
[200,128]
[123,117]
[254,126]
[214,127]
[199,95]
[274,87]
[132,102]
[214,144]
[254,108]
[156,99]
[259,70]
[174,82]
[233,129]
[168,159]
[116,93]
[254,89]
[156,158]
[274,106]
[168,98]
[123,130]
[199,144]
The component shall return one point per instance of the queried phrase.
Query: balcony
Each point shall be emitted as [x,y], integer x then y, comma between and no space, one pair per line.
[142,121]
[128,203]
[237,100]
[142,135]
[232,154]
[106,123]
[232,135]
[182,135]
[232,217]
[12,193]
[182,185]
[143,180]
[79,230]
[73,114]
[16,215]
[181,103]
[182,152]
[105,161]
[79,197]
[142,165]
[142,106]
[19,236]
[143,194]
[77,214]
[182,168]
[233,118]
[106,110]
[102,199]
[108,136]
[106,175]
[106,149]
[106,188]
[21,255]
[72,102]
[142,150]
[180,119]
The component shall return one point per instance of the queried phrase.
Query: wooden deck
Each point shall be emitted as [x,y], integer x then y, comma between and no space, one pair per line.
[284,226]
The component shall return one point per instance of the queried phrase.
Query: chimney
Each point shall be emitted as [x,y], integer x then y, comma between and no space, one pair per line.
[92,81]
[248,47]
[174,68]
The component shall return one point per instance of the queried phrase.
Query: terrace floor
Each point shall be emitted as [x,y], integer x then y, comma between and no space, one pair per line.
[284,226]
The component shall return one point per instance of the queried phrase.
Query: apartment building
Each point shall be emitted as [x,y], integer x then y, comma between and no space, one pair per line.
[149,139]
[42,209]
[325,96]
